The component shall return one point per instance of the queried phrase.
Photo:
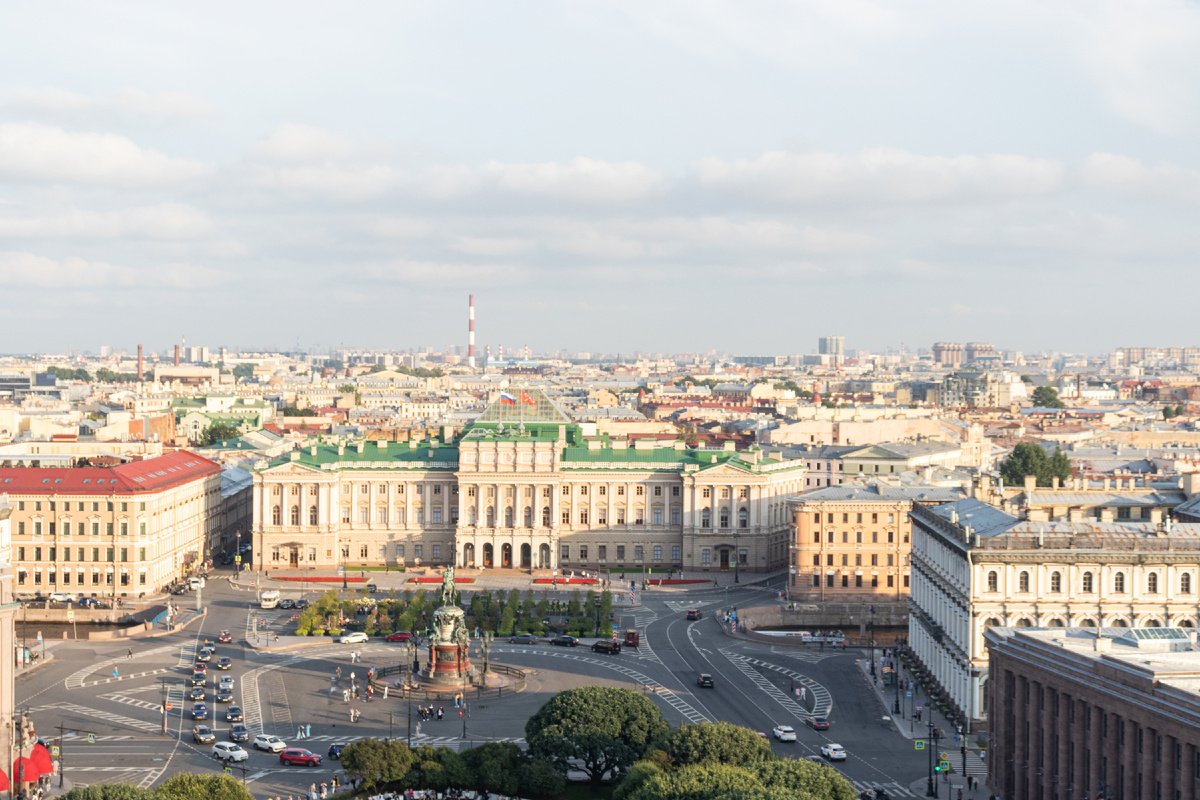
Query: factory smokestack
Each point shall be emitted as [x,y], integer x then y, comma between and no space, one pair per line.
[500,357]
[177,355]
[471,331]
[526,352]
[139,362]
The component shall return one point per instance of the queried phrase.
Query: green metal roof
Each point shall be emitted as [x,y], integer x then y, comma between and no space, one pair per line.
[398,455]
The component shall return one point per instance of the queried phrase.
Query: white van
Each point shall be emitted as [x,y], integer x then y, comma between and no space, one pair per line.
[269,599]
[196,583]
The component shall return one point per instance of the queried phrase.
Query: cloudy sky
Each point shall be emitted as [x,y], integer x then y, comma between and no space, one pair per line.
[607,176]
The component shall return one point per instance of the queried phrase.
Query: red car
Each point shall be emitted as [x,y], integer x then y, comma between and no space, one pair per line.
[398,636]
[298,755]
[225,637]
[200,667]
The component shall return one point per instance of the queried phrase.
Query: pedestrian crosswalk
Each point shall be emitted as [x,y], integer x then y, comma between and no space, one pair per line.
[893,789]
[107,716]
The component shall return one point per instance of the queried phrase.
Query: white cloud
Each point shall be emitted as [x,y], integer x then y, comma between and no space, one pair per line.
[163,221]
[41,153]
[18,269]
[494,246]
[55,102]
[880,176]
[440,274]
[326,180]
[1130,176]
[294,142]
[586,179]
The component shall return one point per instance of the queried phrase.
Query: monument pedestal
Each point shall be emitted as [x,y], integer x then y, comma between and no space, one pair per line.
[448,666]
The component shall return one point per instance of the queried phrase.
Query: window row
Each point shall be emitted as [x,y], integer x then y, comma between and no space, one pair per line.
[858,517]
[66,505]
[39,528]
[602,552]
[858,560]
[63,578]
[858,537]
[1087,582]
[723,518]
[53,553]
[858,581]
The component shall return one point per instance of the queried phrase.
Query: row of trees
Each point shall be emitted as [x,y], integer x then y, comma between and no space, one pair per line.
[103,375]
[613,733]
[1030,459]
[218,432]
[182,786]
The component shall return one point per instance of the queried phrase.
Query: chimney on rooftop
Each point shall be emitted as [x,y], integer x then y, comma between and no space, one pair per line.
[177,355]
[139,362]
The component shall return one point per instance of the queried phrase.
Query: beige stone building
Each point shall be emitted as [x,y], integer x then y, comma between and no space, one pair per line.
[117,531]
[850,543]
[525,487]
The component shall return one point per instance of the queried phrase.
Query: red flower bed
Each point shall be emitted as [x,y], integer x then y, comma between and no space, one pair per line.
[439,580]
[316,580]
[564,580]
[676,581]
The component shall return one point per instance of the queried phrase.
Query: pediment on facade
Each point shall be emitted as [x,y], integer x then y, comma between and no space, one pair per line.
[293,468]
[721,470]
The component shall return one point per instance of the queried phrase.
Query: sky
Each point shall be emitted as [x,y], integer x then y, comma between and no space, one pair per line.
[650,175]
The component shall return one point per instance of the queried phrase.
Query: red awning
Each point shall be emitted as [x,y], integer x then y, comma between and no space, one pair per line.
[3,781]
[35,765]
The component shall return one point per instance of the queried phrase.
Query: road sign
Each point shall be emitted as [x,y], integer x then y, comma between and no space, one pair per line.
[91,738]
[237,559]
[944,766]
[39,636]
[229,770]
[908,695]
[920,744]
[943,757]
[54,751]
[70,615]
[340,570]
[169,706]
[918,704]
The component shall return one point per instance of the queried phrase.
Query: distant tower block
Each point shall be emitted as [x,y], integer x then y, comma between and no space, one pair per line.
[948,354]
[471,331]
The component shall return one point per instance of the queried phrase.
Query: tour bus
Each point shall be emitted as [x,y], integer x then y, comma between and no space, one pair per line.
[270,598]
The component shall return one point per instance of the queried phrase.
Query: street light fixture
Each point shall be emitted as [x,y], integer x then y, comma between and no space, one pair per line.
[737,555]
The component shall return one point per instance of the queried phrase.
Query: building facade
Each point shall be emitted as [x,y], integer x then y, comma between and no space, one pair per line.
[1087,712]
[975,567]
[117,531]
[850,543]
[525,488]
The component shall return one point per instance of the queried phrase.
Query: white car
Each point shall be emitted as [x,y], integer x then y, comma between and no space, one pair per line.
[834,752]
[272,744]
[62,597]
[785,733]
[226,682]
[354,637]
[228,751]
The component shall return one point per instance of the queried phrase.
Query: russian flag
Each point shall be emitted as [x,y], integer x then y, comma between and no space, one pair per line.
[508,399]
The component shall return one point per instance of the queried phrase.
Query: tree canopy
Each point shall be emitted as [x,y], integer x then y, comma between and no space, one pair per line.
[1047,397]
[299,412]
[243,371]
[600,729]
[181,786]
[766,780]
[715,743]
[70,374]
[218,432]
[1030,459]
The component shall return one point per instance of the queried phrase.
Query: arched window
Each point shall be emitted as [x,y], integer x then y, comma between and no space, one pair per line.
[1087,582]
[295,515]
[491,517]
[706,519]
[1185,583]
[1023,582]
[1152,583]
[993,581]
[508,517]
[1024,623]
[1119,582]
[1087,623]
[312,515]
[743,518]
[991,622]
[275,515]
[724,518]
[1055,582]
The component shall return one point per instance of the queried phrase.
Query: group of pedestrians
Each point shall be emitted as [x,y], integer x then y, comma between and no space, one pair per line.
[303,731]
[426,713]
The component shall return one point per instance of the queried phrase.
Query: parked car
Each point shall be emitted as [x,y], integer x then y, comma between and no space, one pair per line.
[784,733]
[272,744]
[225,638]
[565,641]
[611,648]
[523,638]
[199,711]
[238,732]
[225,662]
[398,636]
[301,604]
[202,734]
[228,751]
[335,750]
[61,597]
[694,614]
[298,755]
[354,637]
[90,602]
[234,714]
[834,752]
[817,723]
[287,602]
[705,680]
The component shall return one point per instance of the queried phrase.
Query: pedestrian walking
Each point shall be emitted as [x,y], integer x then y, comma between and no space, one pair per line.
[308,730]
[338,672]
[385,688]
[129,654]
[115,673]
[439,713]
[300,732]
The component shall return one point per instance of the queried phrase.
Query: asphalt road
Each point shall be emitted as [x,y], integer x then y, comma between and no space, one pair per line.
[279,692]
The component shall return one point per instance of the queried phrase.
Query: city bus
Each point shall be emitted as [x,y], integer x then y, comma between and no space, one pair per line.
[269,599]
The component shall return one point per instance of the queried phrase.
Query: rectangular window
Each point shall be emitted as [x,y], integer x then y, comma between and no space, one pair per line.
[566,491]
[658,516]
[437,551]
[890,581]
[420,489]
[889,560]
[637,552]
[20,529]
[874,518]
[37,554]
[620,491]
[639,491]
[602,552]
[566,517]
[37,527]
[437,516]
[675,552]
[583,552]
[658,491]
[639,516]
[583,491]
[620,516]
[95,554]
[874,560]
[381,516]
[602,516]
[142,578]
[346,515]
[603,491]
[583,517]
[620,552]
[274,553]
[676,516]
[674,491]
[565,552]
[399,551]
[141,554]
[364,515]
[141,529]
[312,554]
[658,552]
[124,554]
[420,516]
[417,550]
[437,489]
[362,552]
[95,529]
[706,556]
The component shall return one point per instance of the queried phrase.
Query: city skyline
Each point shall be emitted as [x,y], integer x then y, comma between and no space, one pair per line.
[603,177]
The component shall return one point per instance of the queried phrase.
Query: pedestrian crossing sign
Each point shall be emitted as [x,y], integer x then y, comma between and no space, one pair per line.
[920,744]
[91,738]
[229,770]
[944,766]
[54,751]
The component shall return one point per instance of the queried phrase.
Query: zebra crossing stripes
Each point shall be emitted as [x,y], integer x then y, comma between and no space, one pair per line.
[893,789]
[78,679]
[107,716]
[131,701]
[822,699]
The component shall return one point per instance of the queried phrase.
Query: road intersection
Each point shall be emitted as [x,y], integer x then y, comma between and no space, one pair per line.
[109,705]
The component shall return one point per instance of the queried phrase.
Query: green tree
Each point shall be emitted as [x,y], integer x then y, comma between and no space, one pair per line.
[376,761]
[218,432]
[696,782]
[243,372]
[110,791]
[804,778]
[1030,459]
[1168,411]
[299,412]
[538,778]
[494,766]
[1047,397]
[376,368]
[716,743]
[601,729]
[189,786]
[437,768]
[333,363]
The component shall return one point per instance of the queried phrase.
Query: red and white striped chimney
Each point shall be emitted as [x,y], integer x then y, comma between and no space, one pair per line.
[471,331]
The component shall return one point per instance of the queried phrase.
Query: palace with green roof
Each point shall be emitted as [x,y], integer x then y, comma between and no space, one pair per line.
[525,487]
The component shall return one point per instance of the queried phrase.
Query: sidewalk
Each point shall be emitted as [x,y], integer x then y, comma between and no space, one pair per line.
[914,698]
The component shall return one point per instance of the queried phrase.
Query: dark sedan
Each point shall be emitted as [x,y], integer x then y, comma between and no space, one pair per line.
[565,641]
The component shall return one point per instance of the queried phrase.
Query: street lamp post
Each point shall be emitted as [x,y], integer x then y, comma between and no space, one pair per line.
[737,555]
[931,789]
[871,633]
